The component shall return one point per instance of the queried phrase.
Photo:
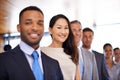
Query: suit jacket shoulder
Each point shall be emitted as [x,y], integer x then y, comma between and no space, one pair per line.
[14,66]
[101,65]
[51,68]
[90,66]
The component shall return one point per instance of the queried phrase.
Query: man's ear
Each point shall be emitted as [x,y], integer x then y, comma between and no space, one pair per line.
[18,27]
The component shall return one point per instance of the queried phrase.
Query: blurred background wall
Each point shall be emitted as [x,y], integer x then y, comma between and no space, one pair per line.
[103,16]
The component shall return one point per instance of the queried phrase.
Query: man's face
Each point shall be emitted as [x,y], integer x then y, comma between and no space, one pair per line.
[31,27]
[77,32]
[117,54]
[87,39]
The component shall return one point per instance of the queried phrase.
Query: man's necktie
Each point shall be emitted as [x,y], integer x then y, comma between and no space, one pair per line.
[36,67]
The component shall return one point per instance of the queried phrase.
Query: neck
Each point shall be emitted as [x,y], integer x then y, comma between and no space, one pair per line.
[77,44]
[35,46]
[109,62]
[55,45]
[85,47]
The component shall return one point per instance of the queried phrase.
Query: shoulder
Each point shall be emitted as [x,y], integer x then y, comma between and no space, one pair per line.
[98,53]
[46,49]
[2,55]
[6,56]
[48,59]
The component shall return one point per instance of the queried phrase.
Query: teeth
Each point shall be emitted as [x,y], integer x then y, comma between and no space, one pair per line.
[33,35]
[63,36]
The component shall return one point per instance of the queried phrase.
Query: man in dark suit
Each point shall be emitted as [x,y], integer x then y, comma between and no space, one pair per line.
[17,63]
[101,64]
[100,59]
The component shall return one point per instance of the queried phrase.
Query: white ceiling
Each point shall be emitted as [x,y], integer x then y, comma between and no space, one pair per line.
[105,14]
[88,12]
[100,12]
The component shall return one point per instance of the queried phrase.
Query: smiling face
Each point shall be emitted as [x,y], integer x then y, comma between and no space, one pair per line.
[117,55]
[31,27]
[108,52]
[87,39]
[60,31]
[77,32]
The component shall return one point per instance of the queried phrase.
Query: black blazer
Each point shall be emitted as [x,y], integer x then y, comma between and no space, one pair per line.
[14,66]
[101,65]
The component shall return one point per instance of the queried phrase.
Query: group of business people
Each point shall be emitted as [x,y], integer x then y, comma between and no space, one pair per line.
[113,66]
[97,69]
[17,64]
[116,52]
[63,59]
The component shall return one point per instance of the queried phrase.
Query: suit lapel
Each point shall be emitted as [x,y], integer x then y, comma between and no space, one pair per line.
[45,65]
[22,62]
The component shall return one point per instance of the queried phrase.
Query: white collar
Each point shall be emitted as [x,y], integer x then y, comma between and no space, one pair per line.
[28,49]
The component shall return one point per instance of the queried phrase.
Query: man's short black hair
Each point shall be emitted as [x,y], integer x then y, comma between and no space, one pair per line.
[30,8]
